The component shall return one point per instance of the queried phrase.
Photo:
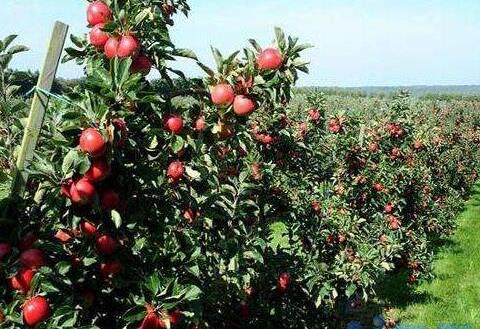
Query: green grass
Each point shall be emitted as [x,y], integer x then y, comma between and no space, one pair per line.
[453,296]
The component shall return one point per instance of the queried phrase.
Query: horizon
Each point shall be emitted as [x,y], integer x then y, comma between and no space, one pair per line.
[370,43]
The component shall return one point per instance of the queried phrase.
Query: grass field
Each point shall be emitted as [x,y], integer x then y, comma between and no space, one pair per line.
[452,298]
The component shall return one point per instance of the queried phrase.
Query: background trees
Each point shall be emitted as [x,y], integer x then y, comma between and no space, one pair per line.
[213,203]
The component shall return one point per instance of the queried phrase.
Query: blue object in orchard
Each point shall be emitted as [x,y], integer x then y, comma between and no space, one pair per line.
[378,321]
[354,325]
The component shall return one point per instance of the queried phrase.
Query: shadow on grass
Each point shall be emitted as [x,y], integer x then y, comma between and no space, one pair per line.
[393,291]
[474,198]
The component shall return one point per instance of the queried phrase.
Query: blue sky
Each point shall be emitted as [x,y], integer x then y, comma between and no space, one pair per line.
[357,42]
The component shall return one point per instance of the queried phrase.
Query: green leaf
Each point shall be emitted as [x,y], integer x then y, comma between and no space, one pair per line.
[292,42]
[5,59]
[154,284]
[77,41]
[192,293]
[255,45]
[116,218]
[195,270]
[195,175]
[254,255]
[75,161]
[83,163]
[302,47]
[47,286]
[207,70]
[187,53]
[178,143]
[135,314]
[233,264]
[8,40]
[63,267]
[87,261]
[153,143]
[74,53]
[110,27]
[121,70]
[280,35]
[17,49]
[5,184]
[139,244]
[279,236]
[350,290]
[177,72]
[218,58]
[69,161]
[142,15]
[11,90]
[232,57]
[303,69]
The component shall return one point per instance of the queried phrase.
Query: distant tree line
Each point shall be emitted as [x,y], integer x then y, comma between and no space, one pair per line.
[28,79]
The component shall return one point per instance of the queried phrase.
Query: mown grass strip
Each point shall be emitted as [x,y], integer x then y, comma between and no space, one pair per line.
[452,299]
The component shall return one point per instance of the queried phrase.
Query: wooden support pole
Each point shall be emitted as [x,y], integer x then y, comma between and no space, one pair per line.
[39,105]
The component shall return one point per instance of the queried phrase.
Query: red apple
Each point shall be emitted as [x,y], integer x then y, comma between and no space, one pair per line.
[175,317]
[284,281]
[128,46]
[257,172]
[33,258]
[98,38]
[88,228]
[22,280]
[314,114]
[35,311]
[190,215]
[106,244]
[243,105]
[222,94]
[63,236]
[200,124]
[92,142]
[5,249]
[82,191]
[150,321]
[388,208]
[317,208]
[27,241]
[111,47]
[88,297]
[141,64]
[111,268]
[175,170]
[269,59]
[109,199]
[394,223]
[244,311]
[98,171]
[121,131]
[173,123]
[98,12]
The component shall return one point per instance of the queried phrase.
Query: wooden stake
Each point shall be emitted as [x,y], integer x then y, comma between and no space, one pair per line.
[39,105]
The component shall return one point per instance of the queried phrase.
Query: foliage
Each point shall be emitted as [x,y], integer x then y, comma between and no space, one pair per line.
[184,209]
[12,109]
[451,295]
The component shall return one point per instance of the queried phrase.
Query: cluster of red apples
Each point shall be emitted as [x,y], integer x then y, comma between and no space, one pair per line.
[121,45]
[223,94]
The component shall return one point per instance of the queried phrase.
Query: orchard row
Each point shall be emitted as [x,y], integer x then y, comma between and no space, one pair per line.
[215,203]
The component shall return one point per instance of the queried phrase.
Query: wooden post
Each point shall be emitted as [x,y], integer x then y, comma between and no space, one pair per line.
[39,105]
